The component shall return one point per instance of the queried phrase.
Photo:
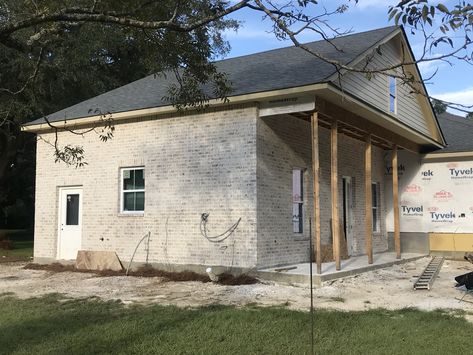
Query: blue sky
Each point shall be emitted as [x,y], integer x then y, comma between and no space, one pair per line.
[452,83]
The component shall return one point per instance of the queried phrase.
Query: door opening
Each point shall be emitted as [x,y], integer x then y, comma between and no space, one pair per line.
[70,222]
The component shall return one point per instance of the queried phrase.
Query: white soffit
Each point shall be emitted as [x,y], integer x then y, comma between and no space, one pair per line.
[285,105]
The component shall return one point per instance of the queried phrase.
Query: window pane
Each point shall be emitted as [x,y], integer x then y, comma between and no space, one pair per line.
[128,179]
[297,185]
[129,201]
[375,220]
[392,104]
[139,201]
[72,210]
[297,217]
[374,195]
[392,86]
[392,94]
[139,179]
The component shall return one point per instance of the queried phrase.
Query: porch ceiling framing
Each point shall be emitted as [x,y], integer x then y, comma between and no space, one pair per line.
[341,121]
[349,125]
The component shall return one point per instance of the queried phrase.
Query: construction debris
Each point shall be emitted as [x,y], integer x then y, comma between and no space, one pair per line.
[284,269]
[98,260]
[465,280]
[469,257]
[148,271]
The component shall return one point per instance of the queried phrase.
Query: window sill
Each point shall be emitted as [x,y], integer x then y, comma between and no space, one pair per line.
[300,238]
[131,214]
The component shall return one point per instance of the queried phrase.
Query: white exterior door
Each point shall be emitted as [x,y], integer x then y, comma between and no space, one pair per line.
[348,212]
[70,222]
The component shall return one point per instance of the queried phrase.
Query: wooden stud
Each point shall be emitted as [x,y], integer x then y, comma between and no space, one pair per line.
[368,201]
[397,234]
[334,188]
[316,190]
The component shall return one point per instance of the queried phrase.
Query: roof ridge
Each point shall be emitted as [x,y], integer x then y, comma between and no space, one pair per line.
[308,43]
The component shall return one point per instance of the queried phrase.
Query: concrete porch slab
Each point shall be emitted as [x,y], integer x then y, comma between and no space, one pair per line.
[353,266]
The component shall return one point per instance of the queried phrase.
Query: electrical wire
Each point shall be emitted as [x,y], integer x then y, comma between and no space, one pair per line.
[218,238]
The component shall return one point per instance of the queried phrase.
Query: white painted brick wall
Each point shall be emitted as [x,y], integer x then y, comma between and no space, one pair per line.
[193,164]
[284,143]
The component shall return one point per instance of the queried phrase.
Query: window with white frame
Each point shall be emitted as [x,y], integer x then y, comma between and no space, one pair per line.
[392,94]
[132,194]
[297,200]
[375,205]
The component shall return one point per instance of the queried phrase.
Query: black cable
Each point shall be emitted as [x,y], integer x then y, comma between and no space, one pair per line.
[218,238]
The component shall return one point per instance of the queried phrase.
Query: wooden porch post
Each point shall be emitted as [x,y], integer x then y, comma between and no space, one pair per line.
[334,188]
[316,190]
[368,201]
[397,235]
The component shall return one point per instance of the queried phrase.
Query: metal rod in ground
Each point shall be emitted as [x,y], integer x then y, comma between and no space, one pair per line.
[311,291]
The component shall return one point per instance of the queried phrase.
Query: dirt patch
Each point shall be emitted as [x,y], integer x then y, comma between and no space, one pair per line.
[11,259]
[148,271]
[231,280]
[389,288]
[55,267]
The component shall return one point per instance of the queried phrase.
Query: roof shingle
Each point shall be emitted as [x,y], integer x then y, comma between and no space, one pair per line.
[458,132]
[271,70]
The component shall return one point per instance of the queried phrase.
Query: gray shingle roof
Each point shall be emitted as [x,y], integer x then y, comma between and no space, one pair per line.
[458,132]
[275,69]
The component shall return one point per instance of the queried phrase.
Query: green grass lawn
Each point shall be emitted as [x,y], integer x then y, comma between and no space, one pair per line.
[22,242]
[51,325]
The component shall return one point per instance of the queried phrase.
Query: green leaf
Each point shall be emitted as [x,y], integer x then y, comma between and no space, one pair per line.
[443,8]
[396,18]
[425,13]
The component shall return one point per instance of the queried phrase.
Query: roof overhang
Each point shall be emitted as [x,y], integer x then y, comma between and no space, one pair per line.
[349,102]
[447,155]
[326,91]
[143,113]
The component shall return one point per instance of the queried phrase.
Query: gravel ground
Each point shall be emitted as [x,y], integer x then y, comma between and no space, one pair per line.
[389,288]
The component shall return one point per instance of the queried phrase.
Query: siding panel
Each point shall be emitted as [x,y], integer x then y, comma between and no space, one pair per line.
[375,90]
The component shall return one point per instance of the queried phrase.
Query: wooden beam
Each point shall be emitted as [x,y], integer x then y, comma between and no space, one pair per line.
[316,190]
[346,117]
[334,188]
[397,234]
[368,201]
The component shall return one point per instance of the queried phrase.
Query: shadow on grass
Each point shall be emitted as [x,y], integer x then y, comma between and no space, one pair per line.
[55,325]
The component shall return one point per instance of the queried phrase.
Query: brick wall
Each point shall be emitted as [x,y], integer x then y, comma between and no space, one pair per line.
[196,164]
[193,164]
[284,143]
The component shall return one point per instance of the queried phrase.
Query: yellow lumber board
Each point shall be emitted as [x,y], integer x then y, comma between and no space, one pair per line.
[451,241]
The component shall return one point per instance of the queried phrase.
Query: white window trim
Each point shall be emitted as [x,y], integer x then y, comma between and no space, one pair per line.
[395,95]
[377,226]
[122,191]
